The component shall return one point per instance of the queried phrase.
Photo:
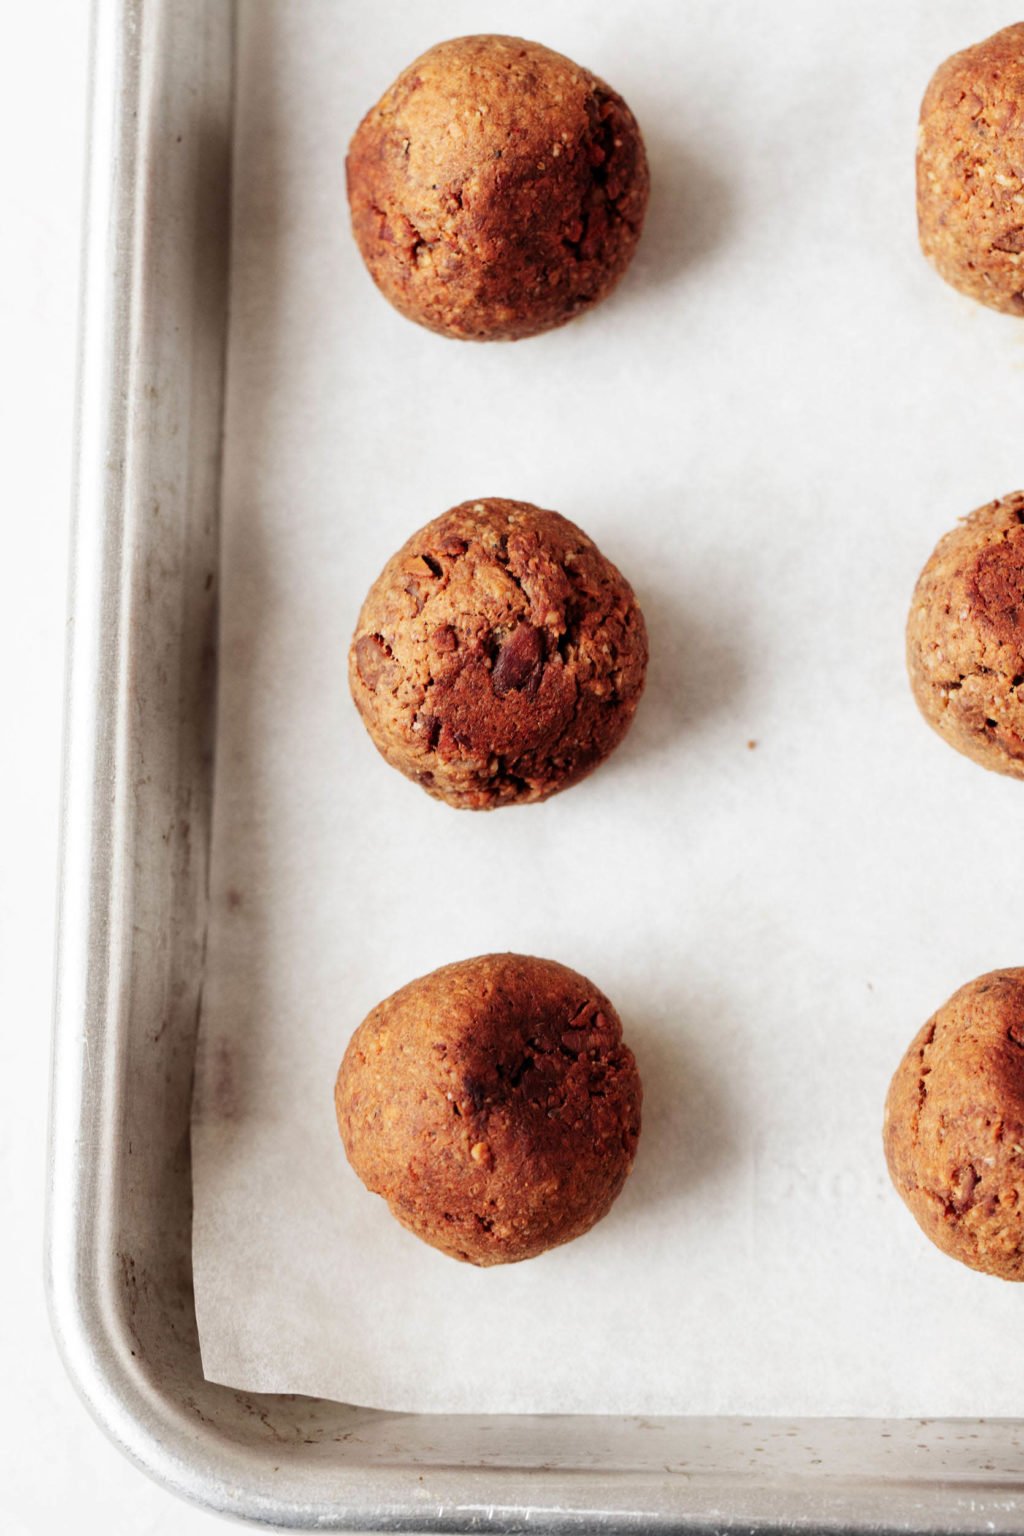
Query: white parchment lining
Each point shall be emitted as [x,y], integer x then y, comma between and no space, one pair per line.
[767,428]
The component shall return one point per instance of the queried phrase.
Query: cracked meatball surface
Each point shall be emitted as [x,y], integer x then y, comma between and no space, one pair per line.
[494,1106]
[496,189]
[498,657]
[965,637]
[970,171]
[954,1126]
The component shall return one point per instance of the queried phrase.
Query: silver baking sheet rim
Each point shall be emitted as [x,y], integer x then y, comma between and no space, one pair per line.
[135,845]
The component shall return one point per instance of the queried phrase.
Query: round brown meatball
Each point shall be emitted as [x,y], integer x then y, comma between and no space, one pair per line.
[970,171]
[965,637]
[954,1126]
[494,1106]
[499,656]
[496,189]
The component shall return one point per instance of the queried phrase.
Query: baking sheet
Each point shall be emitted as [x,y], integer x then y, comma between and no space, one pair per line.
[767,428]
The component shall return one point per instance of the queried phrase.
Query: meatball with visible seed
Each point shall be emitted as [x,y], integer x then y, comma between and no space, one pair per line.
[499,657]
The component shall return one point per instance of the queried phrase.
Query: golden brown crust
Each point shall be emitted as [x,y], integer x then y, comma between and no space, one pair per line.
[965,637]
[954,1125]
[498,657]
[494,1106]
[970,171]
[496,189]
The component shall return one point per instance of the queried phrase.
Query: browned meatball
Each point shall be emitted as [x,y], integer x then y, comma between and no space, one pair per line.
[498,657]
[954,1125]
[970,171]
[494,1106]
[965,637]
[496,189]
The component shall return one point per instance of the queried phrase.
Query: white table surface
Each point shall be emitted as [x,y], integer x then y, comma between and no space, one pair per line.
[59,1472]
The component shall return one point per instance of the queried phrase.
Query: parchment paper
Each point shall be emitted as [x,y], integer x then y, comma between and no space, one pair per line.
[767,428]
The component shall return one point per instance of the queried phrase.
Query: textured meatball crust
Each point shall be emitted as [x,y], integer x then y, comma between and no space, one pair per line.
[965,637]
[970,171]
[499,657]
[954,1125]
[496,189]
[494,1106]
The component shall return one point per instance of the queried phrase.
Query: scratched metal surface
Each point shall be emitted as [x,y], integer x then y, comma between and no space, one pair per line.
[135,848]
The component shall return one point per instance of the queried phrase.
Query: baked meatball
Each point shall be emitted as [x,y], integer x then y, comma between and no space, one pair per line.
[970,171]
[954,1125]
[494,1106]
[965,637]
[499,656]
[496,189]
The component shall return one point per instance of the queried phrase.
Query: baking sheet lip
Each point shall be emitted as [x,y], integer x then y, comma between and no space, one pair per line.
[151,1426]
[94,1351]
[71,1264]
